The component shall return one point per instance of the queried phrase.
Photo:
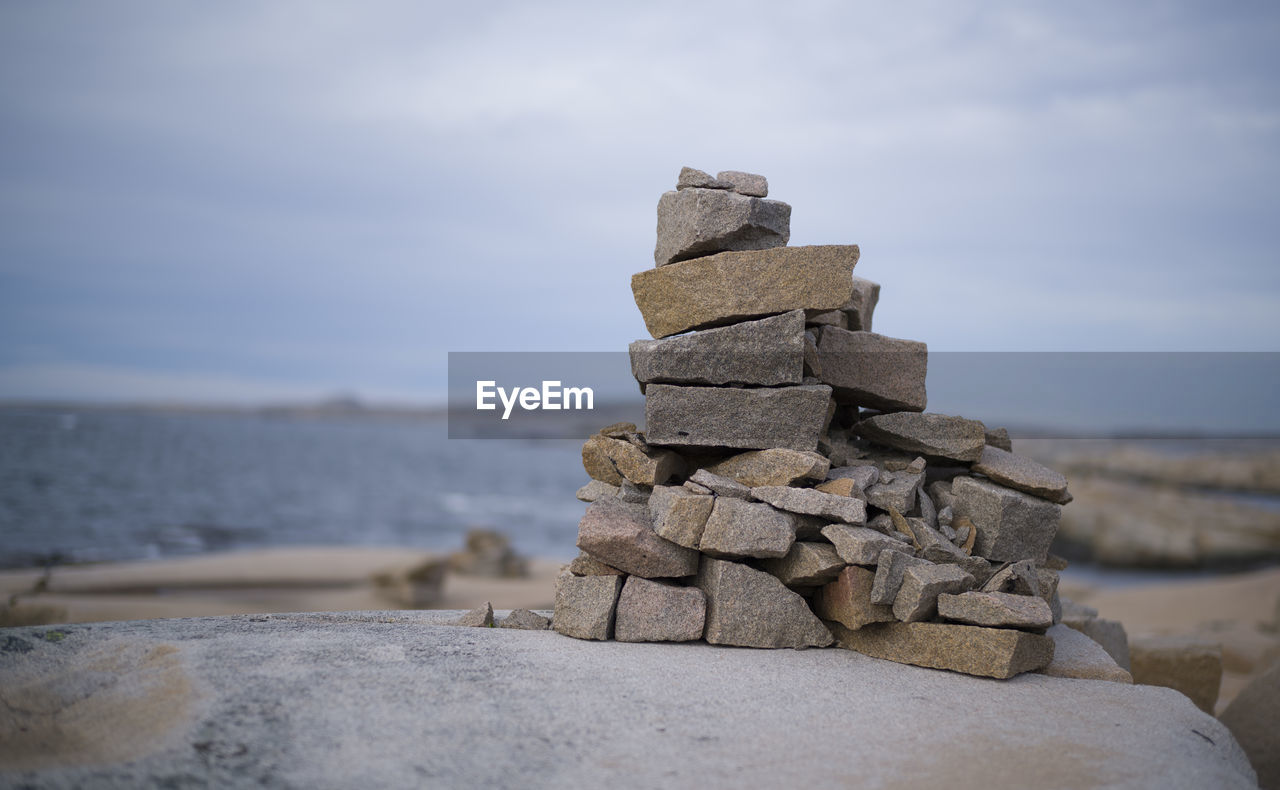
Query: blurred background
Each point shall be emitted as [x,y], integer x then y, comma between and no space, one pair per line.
[239,240]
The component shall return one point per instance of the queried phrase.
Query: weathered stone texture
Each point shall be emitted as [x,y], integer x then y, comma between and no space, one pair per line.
[650,611]
[696,221]
[771,467]
[585,605]
[738,529]
[936,435]
[847,600]
[1011,525]
[971,649]
[620,534]
[786,417]
[768,352]
[874,371]
[750,608]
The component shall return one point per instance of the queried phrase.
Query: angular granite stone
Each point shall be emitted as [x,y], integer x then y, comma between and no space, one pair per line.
[744,183]
[859,545]
[936,435]
[1010,525]
[807,564]
[525,620]
[811,502]
[1022,474]
[862,306]
[996,609]
[1077,656]
[786,417]
[1110,634]
[1251,717]
[1190,664]
[479,617]
[621,534]
[614,460]
[917,598]
[863,476]
[896,491]
[721,486]
[679,516]
[1015,577]
[597,489]
[772,467]
[973,650]
[847,600]
[750,608]
[586,565]
[693,222]
[999,438]
[738,529]
[890,568]
[737,286]
[767,352]
[585,605]
[689,177]
[650,611]
[844,486]
[872,370]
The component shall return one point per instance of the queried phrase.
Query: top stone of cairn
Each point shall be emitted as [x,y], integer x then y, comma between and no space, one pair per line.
[706,215]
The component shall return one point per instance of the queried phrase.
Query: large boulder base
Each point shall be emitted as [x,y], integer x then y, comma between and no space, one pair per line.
[737,286]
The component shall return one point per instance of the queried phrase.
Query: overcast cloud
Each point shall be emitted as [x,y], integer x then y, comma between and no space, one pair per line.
[237,202]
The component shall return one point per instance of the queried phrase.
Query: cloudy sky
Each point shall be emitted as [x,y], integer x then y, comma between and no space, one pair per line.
[257,201]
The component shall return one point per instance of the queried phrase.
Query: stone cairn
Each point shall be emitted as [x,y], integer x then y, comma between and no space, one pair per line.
[788,489]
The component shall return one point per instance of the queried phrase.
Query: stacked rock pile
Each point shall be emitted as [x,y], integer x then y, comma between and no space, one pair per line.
[788,489]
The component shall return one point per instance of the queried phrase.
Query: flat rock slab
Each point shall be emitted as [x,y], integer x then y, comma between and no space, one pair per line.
[772,467]
[936,435]
[971,649]
[695,221]
[390,699]
[785,417]
[766,353]
[750,608]
[621,534]
[1023,474]
[737,286]
[810,502]
[875,371]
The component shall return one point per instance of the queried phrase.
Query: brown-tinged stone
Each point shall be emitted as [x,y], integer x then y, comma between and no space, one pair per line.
[1015,577]
[935,435]
[847,600]
[613,460]
[971,649]
[1022,474]
[756,418]
[1254,718]
[844,486]
[621,534]
[996,609]
[586,565]
[1077,656]
[720,485]
[737,286]
[1186,663]
[1010,525]
[859,545]
[772,467]
[744,183]
[750,608]
[891,565]
[597,489]
[585,605]
[525,620]
[479,617]
[917,597]
[737,529]
[766,352]
[650,611]
[806,564]
[872,370]
[811,502]
[690,177]
[863,476]
[679,516]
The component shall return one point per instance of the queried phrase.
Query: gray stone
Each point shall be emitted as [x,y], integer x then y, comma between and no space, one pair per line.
[1049,592]
[806,564]
[836,318]
[1077,656]
[737,286]
[976,567]
[917,598]
[996,609]
[274,701]
[634,494]
[737,529]
[807,501]
[1022,474]
[872,370]
[597,489]
[1010,525]
[786,417]
[722,486]
[971,649]
[690,177]
[896,491]
[940,492]
[772,467]
[859,545]
[999,438]
[862,306]
[586,565]
[620,534]
[745,183]
[933,543]
[696,488]
[694,222]
[811,365]
[863,476]
[890,567]
[1017,577]
[847,600]
[650,611]
[585,605]
[766,352]
[679,516]
[1254,718]
[1110,634]
[525,620]
[935,435]
[479,617]
[750,608]
[945,517]
[614,460]
[928,513]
